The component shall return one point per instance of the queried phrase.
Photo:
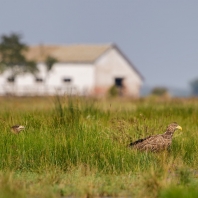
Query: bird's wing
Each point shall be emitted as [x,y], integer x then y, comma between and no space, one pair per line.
[154,142]
[140,141]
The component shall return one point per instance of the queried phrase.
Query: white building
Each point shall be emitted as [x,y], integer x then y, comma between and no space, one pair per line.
[80,69]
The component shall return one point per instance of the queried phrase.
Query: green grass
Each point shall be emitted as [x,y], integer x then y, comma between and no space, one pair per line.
[78,147]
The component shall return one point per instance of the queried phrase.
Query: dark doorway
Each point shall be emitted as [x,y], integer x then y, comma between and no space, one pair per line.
[119,82]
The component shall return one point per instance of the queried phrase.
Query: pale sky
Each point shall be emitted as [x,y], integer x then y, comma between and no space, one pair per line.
[159,37]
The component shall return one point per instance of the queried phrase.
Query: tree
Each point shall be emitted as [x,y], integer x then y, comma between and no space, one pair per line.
[194,87]
[12,55]
[50,61]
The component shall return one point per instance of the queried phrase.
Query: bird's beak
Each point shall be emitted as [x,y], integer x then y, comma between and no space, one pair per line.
[179,127]
[21,127]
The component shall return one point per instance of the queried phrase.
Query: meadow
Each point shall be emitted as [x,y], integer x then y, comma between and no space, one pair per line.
[78,147]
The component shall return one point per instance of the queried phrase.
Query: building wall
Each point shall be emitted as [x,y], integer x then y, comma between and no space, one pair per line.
[81,76]
[112,65]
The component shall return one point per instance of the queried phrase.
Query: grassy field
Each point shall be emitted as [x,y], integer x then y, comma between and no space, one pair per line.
[78,148]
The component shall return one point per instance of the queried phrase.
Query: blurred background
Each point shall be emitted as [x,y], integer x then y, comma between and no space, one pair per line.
[159,38]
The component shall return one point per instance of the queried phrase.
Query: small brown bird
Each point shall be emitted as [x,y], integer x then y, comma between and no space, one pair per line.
[157,143]
[17,128]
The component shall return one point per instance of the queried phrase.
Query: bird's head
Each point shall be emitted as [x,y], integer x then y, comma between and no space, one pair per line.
[17,128]
[173,127]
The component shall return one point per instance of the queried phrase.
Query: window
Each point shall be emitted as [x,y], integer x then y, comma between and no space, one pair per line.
[11,79]
[39,80]
[67,80]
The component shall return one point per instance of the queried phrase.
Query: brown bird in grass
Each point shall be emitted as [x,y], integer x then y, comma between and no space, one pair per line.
[157,143]
[17,128]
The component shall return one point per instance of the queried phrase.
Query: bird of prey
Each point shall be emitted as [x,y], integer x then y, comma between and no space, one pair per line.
[157,143]
[17,128]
